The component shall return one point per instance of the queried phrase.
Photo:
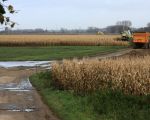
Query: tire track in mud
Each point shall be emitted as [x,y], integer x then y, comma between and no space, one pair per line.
[124,53]
[112,55]
[18,99]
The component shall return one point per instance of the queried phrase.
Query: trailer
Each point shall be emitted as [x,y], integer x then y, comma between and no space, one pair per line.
[141,40]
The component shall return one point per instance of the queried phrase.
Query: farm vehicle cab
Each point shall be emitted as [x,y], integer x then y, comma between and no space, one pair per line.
[126,35]
[138,39]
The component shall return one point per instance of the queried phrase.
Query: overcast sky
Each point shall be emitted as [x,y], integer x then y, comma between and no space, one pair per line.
[55,14]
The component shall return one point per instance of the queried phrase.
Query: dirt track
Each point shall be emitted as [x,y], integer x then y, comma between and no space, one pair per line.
[131,53]
[138,53]
[18,105]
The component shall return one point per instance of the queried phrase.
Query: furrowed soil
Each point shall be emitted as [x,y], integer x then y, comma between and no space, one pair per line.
[18,100]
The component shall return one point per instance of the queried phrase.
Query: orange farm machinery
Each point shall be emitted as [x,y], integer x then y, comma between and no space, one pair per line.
[141,40]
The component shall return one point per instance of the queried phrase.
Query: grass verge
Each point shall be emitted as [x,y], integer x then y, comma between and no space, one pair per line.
[101,105]
[53,52]
[64,104]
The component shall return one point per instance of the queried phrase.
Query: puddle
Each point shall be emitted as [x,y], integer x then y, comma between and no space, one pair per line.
[23,86]
[20,88]
[29,98]
[45,64]
[17,108]
[25,110]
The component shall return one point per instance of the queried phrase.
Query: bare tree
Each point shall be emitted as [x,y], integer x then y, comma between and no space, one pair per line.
[148,25]
[126,23]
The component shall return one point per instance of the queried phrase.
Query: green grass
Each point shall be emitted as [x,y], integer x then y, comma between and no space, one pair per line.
[102,105]
[52,52]
[64,104]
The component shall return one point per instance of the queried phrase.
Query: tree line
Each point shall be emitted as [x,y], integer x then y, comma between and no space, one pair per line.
[119,27]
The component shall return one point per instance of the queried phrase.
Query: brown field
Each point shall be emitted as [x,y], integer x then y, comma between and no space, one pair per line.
[129,75]
[61,40]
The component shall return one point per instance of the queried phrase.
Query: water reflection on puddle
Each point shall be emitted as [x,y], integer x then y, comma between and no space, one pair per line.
[17,108]
[44,64]
[25,110]
[20,88]
[24,85]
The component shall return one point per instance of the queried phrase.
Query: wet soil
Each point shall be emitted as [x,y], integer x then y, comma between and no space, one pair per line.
[18,99]
[138,53]
[112,55]
[131,53]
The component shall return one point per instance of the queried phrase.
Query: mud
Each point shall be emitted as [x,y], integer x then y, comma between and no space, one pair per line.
[23,85]
[131,53]
[18,99]
[25,64]
[137,53]
[112,55]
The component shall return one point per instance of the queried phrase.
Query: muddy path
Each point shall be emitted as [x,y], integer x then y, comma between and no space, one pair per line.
[137,53]
[111,55]
[18,99]
[131,53]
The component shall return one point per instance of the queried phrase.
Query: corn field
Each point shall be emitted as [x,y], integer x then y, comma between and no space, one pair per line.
[61,40]
[129,75]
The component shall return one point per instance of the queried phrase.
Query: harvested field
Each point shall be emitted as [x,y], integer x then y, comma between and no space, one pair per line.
[128,74]
[61,40]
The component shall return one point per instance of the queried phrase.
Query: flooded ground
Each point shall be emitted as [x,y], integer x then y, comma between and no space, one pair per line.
[43,64]
[23,85]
